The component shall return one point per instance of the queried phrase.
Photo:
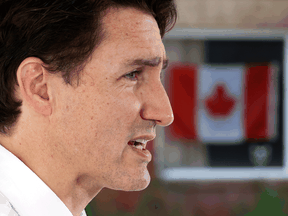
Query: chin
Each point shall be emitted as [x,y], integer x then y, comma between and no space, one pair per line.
[144,181]
[138,187]
[135,184]
[142,185]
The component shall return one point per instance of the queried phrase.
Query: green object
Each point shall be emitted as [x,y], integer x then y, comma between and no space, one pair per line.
[269,204]
[88,210]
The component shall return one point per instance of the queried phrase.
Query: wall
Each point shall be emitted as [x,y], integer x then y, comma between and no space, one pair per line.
[232,13]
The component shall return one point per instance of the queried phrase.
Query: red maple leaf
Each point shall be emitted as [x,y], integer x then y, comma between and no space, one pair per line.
[219,103]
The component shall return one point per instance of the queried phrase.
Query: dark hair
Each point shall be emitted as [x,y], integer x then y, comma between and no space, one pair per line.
[62,33]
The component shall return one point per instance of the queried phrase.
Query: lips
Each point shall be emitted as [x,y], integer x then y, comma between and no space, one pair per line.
[138,145]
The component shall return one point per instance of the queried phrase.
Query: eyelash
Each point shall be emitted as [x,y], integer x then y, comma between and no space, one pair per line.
[136,73]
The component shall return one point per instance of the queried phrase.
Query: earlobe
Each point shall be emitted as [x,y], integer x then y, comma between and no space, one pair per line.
[32,78]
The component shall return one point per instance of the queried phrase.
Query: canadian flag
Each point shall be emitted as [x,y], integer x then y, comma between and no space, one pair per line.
[223,103]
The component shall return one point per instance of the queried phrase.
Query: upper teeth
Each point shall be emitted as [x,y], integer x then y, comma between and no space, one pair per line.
[143,141]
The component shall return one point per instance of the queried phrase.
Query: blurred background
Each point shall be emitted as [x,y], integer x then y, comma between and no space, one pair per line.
[225,153]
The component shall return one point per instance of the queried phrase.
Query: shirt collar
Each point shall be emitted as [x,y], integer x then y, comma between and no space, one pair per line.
[28,194]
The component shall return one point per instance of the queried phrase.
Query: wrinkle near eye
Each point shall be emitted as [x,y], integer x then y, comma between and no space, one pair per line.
[122,87]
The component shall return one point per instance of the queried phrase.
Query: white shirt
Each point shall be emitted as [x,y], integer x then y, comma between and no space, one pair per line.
[23,193]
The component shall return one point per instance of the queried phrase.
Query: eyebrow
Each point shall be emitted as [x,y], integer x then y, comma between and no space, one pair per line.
[150,62]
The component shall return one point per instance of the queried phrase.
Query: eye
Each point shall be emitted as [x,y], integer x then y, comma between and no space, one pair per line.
[133,75]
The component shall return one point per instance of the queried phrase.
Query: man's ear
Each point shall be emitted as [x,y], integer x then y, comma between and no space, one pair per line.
[32,78]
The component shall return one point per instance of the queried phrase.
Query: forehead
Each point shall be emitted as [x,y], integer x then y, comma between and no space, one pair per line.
[129,27]
[123,20]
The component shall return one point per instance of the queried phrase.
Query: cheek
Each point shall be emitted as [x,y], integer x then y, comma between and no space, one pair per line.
[101,116]
[109,115]
[123,108]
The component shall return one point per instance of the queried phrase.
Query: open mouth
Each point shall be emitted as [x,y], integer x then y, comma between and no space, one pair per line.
[139,147]
[138,144]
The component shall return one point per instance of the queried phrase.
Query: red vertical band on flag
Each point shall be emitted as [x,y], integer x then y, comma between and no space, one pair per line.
[256,102]
[183,96]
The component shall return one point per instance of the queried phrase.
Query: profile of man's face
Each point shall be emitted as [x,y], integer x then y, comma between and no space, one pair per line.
[119,99]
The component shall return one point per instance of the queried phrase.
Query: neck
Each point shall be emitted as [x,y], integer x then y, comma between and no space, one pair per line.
[75,189]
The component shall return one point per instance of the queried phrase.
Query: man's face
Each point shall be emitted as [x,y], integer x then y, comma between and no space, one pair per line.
[96,122]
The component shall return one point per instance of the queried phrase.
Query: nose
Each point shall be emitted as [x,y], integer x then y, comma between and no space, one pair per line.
[156,106]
